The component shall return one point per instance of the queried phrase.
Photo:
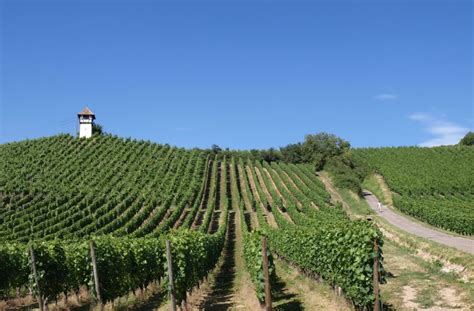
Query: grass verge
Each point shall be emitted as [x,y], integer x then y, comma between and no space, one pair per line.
[376,184]
[421,273]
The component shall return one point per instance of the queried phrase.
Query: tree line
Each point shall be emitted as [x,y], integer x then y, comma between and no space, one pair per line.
[323,150]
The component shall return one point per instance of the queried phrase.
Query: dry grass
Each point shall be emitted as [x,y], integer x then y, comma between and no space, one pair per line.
[421,273]
[306,293]
[28,302]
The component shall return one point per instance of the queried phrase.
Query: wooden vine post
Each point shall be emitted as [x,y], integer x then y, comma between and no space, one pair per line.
[376,276]
[96,274]
[169,259]
[35,275]
[266,274]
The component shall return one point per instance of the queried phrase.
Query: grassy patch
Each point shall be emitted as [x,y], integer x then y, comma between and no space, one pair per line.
[416,243]
[375,184]
[406,268]
[427,296]
[358,206]
[424,278]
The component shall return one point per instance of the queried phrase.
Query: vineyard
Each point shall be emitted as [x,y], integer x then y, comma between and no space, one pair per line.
[435,185]
[61,195]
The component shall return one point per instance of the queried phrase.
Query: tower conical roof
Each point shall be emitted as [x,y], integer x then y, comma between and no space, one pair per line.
[86,112]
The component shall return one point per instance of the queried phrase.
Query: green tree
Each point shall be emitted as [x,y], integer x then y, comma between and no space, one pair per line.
[292,153]
[318,148]
[97,129]
[216,149]
[468,139]
[270,155]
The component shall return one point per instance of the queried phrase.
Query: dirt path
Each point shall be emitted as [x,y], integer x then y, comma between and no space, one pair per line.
[229,287]
[220,296]
[463,244]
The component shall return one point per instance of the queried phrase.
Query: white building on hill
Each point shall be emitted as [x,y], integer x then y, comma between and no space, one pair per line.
[86,119]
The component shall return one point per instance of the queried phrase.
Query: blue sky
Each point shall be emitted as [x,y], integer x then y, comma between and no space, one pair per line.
[240,74]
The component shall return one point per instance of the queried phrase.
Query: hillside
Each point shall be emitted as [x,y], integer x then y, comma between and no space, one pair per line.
[435,185]
[66,187]
[129,196]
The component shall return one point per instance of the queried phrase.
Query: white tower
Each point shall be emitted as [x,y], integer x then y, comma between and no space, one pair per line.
[86,119]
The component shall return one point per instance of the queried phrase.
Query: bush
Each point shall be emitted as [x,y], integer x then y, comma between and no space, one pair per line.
[345,173]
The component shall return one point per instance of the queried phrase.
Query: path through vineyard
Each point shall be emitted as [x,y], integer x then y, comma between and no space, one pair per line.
[231,288]
[221,295]
[414,278]
[230,285]
[463,244]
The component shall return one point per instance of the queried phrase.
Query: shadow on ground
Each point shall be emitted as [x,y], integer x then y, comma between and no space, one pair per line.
[283,300]
[220,296]
[153,303]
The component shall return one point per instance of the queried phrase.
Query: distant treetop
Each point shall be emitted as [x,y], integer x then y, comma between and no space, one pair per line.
[468,139]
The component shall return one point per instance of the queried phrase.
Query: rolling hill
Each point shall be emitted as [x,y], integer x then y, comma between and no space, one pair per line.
[126,197]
